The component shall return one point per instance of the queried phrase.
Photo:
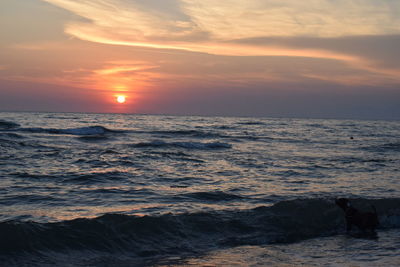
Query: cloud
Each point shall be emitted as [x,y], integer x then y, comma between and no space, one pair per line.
[123,67]
[322,18]
[176,23]
[380,48]
[129,22]
[247,57]
[244,28]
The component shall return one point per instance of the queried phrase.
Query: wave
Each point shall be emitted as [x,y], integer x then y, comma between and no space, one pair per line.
[8,143]
[251,123]
[33,198]
[85,131]
[391,146]
[11,135]
[211,196]
[203,134]
[286,221]
[174,155]
[225,127]
[12,140]
[92,178]
[93,138]
[387,147]
[81,131]
[191,133]
[186,145]
[8,124]
[19,144]
[74,178]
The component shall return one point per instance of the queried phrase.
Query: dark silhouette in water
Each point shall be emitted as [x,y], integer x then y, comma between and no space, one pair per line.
[363,220]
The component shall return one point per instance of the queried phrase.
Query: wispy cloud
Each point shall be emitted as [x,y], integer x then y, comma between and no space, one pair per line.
[219,27]
[155,23]
[124,67]
[277,30]
[322,18]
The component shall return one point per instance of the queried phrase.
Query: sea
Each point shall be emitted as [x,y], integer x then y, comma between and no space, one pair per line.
[144,190]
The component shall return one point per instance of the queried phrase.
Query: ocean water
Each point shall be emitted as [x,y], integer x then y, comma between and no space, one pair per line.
[136,190]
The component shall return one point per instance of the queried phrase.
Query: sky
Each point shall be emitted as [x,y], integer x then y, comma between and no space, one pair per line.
[272,58]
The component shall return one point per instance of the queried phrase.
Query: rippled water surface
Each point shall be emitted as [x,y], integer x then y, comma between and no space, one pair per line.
[178,171]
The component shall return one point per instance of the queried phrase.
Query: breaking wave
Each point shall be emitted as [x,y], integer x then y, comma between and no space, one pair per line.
[81,131]
[286,221]
[91,130]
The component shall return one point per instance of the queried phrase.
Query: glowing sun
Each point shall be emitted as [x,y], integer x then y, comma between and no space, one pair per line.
[121,99]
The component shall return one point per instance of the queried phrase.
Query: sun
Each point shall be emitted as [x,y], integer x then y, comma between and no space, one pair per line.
[121,99]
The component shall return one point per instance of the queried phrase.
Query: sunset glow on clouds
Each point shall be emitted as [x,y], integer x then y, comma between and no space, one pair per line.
[182,23]
[177,56]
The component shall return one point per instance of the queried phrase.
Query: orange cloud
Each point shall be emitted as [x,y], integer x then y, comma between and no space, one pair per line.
[212,27]
[139,23]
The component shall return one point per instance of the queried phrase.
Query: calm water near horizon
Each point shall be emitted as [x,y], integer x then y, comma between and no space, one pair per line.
[133,190]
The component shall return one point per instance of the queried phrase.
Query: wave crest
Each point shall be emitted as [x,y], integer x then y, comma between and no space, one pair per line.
[82,131]
[286,221]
